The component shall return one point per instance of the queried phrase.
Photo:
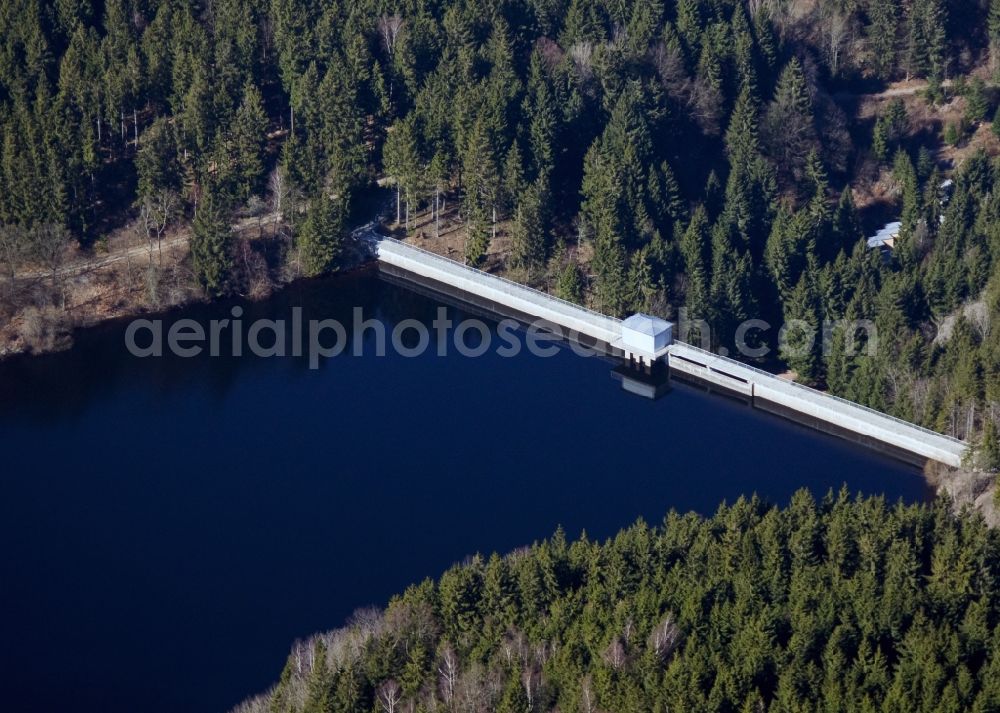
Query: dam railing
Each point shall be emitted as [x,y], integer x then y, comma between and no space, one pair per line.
[816,392]
[514,295]
[502,282]
[765,388]
[726,372]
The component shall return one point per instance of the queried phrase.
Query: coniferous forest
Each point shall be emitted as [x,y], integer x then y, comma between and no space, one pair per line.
[709,161]
[694,155]
[840,605]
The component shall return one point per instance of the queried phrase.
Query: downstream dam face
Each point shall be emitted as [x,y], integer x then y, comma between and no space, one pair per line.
[645,341]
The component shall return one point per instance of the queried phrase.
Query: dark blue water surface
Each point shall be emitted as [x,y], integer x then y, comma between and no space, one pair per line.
[169,526]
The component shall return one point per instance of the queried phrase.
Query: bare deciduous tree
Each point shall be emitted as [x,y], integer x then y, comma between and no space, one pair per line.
[614,655]
[705,104]
[257,208]
[156,212]
[389,27]
[627,631]
[448,671]
[403,622]
[368,620]
[279,187]
[531,679]
[478,690]
[543,650]
[837,28]
[583,57]
[671,69]
[389,695]
[257,704]
[588,702]
[256,278]
[12,249]
[550,52]
[48,246]
[978,315]
[665,638]
[285,202]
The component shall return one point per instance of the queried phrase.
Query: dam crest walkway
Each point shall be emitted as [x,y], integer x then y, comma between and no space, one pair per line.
[816,408]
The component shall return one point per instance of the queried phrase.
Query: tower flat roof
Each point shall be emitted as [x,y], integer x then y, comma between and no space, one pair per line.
[646,324]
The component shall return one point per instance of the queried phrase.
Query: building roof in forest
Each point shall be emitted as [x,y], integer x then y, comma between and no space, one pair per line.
[886,236]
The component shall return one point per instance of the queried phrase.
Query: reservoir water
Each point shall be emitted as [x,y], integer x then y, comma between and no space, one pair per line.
[169,526]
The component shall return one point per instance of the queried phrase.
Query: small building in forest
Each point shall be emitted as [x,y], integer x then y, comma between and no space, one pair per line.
[886,237]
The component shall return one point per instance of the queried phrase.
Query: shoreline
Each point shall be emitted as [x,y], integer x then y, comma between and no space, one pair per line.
[102,290]
[116,298]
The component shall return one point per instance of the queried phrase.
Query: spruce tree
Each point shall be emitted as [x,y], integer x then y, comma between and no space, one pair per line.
[401,158]
[926,42]
[839,363]
[730,290]
[157,163]
[789,121]
[319,685]
[696,250]
[513,179]
[530,232]
[339,135]
[482,178]
[742,141]
[905,174]
[977,104]
[583,24]
[800,343]
[249,139]
[211,245]
[641,284]
[610,267]
[846,226]
[883,36]
[790,246]
[689,25]
[675,207]
[540,111]
[880,141]
[570,283]
[321,238]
